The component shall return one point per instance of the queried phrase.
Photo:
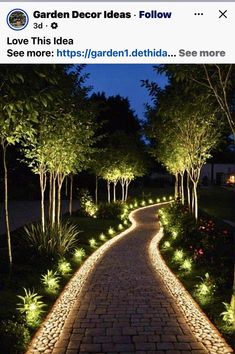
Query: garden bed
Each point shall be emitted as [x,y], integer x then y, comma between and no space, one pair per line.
[30,268]
[201,255]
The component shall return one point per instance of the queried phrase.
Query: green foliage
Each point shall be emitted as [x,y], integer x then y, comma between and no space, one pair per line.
[110,210]
[31,307]
[229,314]
[178,256]
[14,337]
[207,247]
[177,220]
[186,265]
[64,267]
[93,243]
[87,205]
[55,241]
[123,160]
[120,227]
[166,245]
[51,280]
[111,231]
[102,237]
[205,290]
[78,255]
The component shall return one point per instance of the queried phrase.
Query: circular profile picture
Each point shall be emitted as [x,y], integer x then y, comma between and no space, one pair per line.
[17,19]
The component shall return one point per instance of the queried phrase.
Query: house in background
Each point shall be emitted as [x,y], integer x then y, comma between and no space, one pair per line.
[218,173]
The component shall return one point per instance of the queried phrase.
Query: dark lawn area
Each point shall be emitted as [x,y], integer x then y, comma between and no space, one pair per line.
[218,201]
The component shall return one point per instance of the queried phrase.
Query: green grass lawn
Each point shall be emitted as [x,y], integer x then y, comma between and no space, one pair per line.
[151,192]
[218,201]
[91,227]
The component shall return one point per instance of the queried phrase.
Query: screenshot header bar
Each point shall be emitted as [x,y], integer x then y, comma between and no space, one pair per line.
[139,32]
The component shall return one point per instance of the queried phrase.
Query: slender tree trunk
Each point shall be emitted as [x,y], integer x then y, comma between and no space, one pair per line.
[192,201]
[194,176]
[176,186]
[123,189]
[71,195]
[96,189]
[108,189]
[126,192]
[179,187]
[195,201]
[58,198]
[114,191]
[182,187]
[50,197]
[53,207]
[188,191]
[4,148]
[43,182]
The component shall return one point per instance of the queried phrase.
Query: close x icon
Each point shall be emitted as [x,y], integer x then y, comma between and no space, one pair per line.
[223,13]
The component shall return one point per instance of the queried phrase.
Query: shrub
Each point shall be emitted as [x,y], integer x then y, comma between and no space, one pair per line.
[228,314]
[64,267]
[88,207]
[78,255]
[14,337]
[120,227]
[111,231]
[204,291]
[102,237]
[186,265]
[207,246]
[166,245]
[55,241]
[177,218]
[93,243]
[178,256]
[31,307]
[50,281]
[110,210]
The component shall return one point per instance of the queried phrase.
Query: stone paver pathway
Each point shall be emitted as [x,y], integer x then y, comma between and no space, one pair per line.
[124,307]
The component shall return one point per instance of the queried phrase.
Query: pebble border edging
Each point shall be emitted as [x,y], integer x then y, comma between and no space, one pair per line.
[200,325]
[50,330]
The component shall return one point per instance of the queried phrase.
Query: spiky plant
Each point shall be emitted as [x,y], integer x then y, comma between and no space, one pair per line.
[78,255]
[51,281]
[64,267]
[92,243]
[54,241]
[31,307]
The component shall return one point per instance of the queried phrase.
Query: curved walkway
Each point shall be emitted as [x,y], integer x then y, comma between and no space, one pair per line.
[124,307]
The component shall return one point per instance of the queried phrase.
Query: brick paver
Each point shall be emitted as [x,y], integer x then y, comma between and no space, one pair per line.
[124,307]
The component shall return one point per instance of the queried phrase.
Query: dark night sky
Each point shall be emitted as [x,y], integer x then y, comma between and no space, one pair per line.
[125,80]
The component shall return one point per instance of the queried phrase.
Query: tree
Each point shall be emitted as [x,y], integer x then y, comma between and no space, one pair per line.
[60,148]
[118,130]
[187,129]
[23,91]
[216,84]
[62,139]
[114,114]
[124,161]
[214,81]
